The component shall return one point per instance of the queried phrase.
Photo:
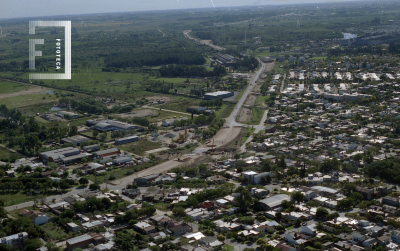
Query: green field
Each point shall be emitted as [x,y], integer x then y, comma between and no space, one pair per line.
[9,87]
[140,147]
[257,116]
[225,110]
[54,232]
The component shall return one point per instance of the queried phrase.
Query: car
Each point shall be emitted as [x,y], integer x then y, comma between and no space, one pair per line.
[304,223]
[275,183]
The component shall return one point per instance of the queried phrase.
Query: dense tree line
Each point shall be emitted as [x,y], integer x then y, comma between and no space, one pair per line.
[388,170]
[155,58]
[211,103]
[191,71]
[247,64]
[95,106]
[354,51]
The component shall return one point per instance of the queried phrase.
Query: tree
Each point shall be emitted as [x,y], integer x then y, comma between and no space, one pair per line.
[297,196]
[95,134]
[244,200]
[94,186]
[321,213]
[261,241]
[83,181]
[73,130]
[330,165]
[103,137]
[180,211]
[345,203]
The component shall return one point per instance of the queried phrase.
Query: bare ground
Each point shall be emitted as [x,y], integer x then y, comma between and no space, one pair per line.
[244,115]
[138,113]
[251,100]
[35,90]
[154,98]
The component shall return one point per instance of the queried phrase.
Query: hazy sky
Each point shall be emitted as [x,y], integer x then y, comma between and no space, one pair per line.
[34,8]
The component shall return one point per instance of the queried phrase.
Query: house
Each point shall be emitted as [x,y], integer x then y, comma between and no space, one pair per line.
[395,236]
[180,229]
[221,225]
[11,240]
[370,242]
[270,129]
[310,230]
[358,237]
[79,242]
[294,238]
[72,227]
[146,180]
[384,240]
[393,201]
[285,247]
[144,227]
[37,217]
[273,202]
[309,195]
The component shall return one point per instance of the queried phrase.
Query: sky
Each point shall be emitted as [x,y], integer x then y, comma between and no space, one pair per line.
[36,8]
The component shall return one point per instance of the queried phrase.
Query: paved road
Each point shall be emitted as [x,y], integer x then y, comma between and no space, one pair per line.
[258,129]
[283,82]
[163,167]
[230,121]
[158,109]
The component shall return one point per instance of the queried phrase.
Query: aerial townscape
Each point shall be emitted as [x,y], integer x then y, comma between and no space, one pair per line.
[232,128]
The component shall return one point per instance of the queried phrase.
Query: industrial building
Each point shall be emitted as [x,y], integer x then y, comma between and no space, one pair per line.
[112,125]
[79,242]
[126,140]
[146,180]
[122,160]
[14,239]
[219,94]
[92,148]
[58,154]
[170,122]
[273,202]
[68,114]
[226,60]
[76,140]
[107,152]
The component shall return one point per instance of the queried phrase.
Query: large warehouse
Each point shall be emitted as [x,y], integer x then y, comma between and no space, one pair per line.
[273,202]
[112,125]
[219,94]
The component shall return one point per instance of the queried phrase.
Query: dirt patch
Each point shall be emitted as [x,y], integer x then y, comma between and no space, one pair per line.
[225,136]
[35,90]
[138,113]
[244,115]
[154,99]
[251,100]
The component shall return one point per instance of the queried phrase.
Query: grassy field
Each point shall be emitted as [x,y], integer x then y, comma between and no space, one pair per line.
[165,115]
[248,131]
[120,172]
[13,198]
[28,100]
[257,116]
[181,103]
[227,247]
[140,147]
[225,110]
[261,100]
[162,206]
[8,87]
[54,232]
